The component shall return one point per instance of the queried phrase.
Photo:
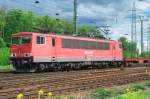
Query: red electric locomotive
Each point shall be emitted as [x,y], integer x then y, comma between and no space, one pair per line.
[32,52]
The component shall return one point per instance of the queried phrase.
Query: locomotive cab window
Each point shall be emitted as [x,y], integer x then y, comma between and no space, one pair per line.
[21,40]
[15,40]
[40,40]
[26,40]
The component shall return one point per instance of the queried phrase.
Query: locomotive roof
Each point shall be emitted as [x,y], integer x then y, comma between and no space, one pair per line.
[56,35]
[22,34]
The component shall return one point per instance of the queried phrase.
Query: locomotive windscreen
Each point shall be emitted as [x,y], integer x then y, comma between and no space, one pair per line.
[80,44]
[21,40]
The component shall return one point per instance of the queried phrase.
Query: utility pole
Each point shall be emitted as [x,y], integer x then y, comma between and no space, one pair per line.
[142,45]
[142,33]
[106,30]
[75,18]
[133,30]
[148,40]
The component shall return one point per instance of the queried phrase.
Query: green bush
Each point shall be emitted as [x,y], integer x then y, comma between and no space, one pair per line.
[119,97]
[134,95]
[4,56]
[117,91]
[147,84]
[2,43]
[129,95]
[138,87]
[100,93]
[59,97]
[70,97]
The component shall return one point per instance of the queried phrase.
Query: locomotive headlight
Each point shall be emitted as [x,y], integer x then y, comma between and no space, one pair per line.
[27,55]
[13,55]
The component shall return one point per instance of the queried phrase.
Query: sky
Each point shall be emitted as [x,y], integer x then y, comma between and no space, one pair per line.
[114,13]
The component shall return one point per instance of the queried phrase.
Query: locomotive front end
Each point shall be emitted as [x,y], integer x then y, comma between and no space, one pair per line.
[21,52]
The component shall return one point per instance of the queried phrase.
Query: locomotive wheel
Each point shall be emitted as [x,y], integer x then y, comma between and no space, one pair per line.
[32,68]
[99,66]
[59,68]
[41,67]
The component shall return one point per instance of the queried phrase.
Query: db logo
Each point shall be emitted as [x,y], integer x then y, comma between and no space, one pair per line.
[88,52]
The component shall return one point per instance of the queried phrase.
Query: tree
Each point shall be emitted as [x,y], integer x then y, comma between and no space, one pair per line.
[129,49]
[88,31]
[3,13]
[16,20]
[2,43]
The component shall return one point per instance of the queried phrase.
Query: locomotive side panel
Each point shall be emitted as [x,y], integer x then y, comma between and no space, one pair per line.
[41,49]
[70,51]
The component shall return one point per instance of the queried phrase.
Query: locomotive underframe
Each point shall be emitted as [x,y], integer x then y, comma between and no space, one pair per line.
[27,64]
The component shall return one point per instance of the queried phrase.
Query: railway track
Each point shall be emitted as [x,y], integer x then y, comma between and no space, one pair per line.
[34,79]
[66,82]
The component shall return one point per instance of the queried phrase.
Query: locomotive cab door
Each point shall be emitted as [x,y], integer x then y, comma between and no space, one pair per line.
[53,50]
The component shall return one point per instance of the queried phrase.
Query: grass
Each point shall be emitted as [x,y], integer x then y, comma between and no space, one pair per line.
[137,87]
[6,68]
[70,97]
[135,95]
[59,97]
[133,91]
[117,91]
[147,84]
[100,93]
